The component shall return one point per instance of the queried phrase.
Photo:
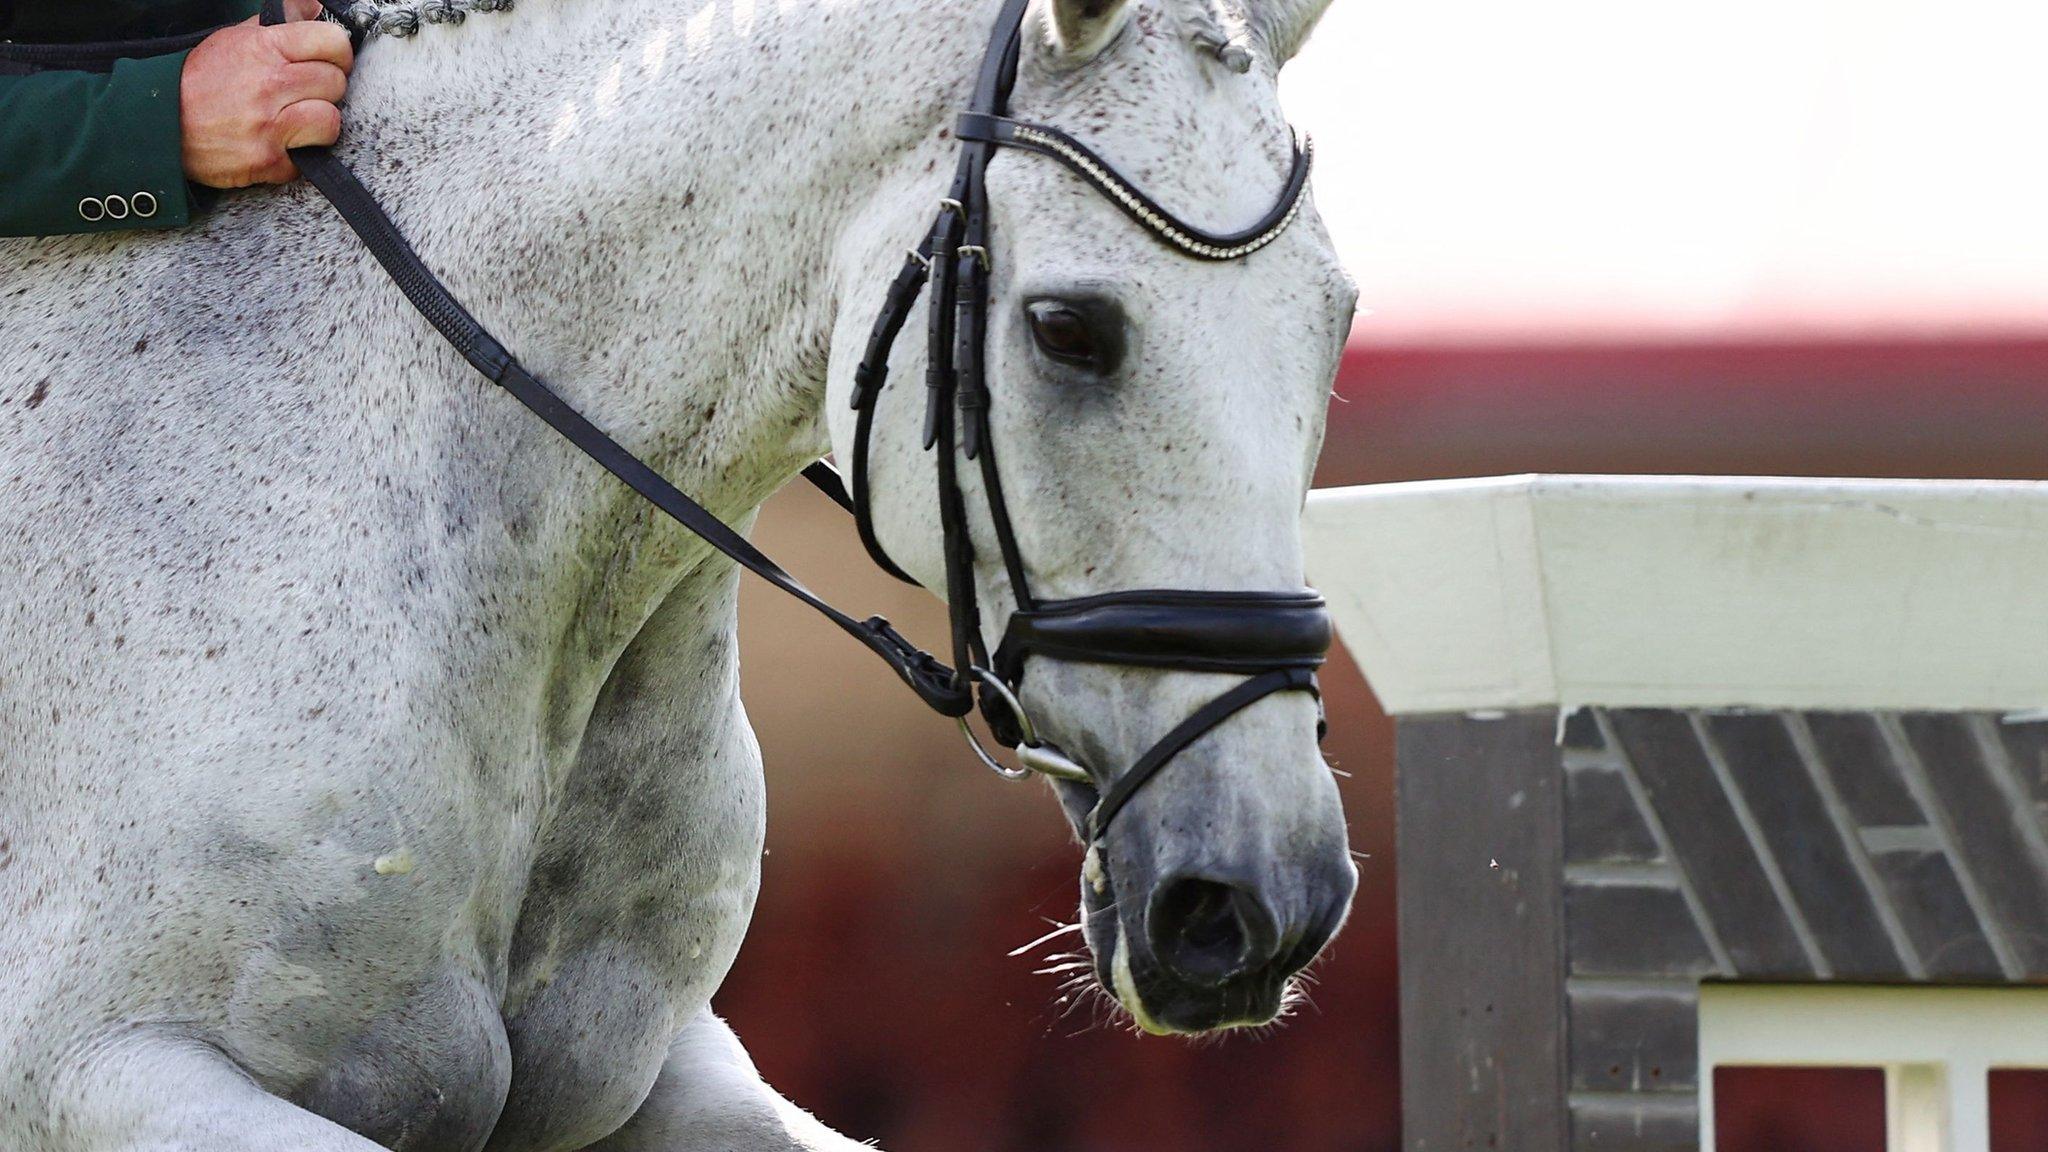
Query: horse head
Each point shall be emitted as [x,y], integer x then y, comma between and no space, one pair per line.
[1157,416]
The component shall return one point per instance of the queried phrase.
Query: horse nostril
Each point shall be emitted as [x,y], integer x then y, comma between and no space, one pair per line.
[1208,932]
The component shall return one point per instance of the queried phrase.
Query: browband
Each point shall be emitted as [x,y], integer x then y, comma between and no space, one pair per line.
[1083,161]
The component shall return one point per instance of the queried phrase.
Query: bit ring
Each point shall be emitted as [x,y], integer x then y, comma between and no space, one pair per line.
[1035,756]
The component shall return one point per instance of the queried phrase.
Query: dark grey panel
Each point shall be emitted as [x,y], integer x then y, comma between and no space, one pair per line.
[1635,1122]
[1712,849]
[1482,986]
[1647,843]
[1807,846]
[1619,929]
[1633,1036]
[1601,821]
[1987,834]
[1861,767]
[1582,731]
[2027,745]
[1930,906]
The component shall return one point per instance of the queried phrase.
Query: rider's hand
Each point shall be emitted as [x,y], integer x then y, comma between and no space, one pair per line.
[250,92]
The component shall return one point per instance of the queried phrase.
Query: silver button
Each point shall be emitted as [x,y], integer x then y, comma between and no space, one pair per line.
[144,204]
[92,209]
[117,207]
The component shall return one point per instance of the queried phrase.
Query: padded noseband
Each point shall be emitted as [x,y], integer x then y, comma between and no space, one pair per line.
[1243,632]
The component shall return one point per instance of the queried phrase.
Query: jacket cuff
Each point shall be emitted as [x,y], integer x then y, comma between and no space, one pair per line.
[144,180]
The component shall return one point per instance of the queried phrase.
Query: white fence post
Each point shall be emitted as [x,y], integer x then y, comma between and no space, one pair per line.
[1916,1108]
[1936,1045]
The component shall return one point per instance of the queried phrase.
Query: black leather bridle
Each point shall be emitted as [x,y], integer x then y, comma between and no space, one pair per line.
[1275,639]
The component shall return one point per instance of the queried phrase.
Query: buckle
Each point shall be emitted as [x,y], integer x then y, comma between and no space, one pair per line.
[938,685]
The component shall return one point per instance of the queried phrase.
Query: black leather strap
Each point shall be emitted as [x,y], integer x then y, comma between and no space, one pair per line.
[868,381]
[1120,790]
[826,479]
[1172,628]
[934,682]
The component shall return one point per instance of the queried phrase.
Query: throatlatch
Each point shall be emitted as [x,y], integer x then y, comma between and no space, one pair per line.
[1275,639]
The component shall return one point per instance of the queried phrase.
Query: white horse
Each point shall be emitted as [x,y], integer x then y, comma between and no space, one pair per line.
[372,766]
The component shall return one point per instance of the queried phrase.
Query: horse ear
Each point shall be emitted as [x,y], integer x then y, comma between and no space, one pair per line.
[1283,25]
[1078,29]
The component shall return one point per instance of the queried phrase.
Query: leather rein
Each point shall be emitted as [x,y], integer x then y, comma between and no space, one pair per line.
[1275,639]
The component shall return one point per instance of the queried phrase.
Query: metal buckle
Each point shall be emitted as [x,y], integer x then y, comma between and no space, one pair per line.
[1036,756]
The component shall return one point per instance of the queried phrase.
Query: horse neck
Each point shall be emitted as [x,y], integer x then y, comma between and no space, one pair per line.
[645,202]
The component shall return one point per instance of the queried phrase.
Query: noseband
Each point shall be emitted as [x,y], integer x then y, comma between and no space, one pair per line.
[1274,639]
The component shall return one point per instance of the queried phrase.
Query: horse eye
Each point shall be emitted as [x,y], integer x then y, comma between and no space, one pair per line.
[1064,334]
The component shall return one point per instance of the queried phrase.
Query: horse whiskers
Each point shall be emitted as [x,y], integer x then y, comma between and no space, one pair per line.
[1057,932]
[1291,1001]
[1075,994]
[1297,993]
[1292,997]
[1077,985]
[1083,989]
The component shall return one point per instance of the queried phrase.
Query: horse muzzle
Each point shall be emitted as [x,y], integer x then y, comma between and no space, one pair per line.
[1211,947]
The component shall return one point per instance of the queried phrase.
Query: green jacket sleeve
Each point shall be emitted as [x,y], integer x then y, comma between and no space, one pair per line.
[85,152]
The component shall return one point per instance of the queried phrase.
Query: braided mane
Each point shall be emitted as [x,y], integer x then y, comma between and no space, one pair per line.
[1217,27]
[404,17]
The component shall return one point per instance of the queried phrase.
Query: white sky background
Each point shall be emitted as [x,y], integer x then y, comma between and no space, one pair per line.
[1508,167]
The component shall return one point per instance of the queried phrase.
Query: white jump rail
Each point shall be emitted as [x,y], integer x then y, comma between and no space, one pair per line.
[1530,591]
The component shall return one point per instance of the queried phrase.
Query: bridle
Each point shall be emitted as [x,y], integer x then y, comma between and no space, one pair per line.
[1275,639]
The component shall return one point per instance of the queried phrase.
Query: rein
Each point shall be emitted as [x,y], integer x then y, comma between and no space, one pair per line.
[1276,639]
[937,685]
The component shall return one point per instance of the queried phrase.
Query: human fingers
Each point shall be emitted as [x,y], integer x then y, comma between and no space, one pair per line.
[314,40]
[308,123]
[310,80]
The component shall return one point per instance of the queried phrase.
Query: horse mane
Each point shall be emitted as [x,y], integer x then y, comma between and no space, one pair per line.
[1218,27]
[404,17]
